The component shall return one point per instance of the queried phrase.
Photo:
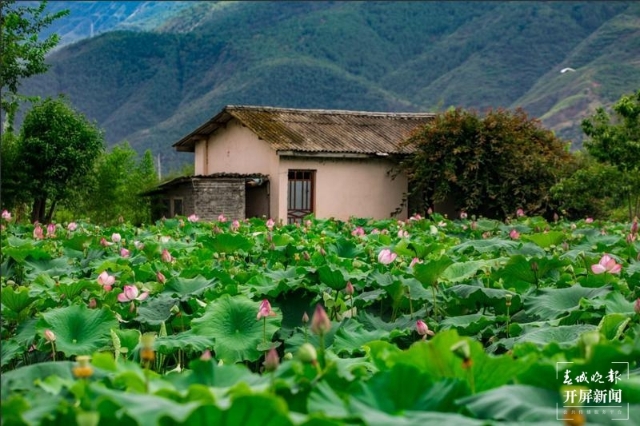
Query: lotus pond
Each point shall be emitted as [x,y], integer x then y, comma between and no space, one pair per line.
[462,322]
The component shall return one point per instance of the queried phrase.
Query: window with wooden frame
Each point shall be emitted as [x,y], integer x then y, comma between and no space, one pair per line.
[300,195]
[177,207]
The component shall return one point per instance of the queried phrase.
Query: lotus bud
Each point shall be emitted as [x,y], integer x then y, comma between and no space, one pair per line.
[83,370]
[588,340]
[92,303]
[636,306]
[206,355]
[271,361]
[508,299]
[166,256]
[305,318]
[288,356]
[306,256]
[307,354]
[49,335]
[320,323]
[349,288]
[160,277]
[116,238]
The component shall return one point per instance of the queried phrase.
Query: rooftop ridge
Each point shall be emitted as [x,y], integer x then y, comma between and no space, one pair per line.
[331,111]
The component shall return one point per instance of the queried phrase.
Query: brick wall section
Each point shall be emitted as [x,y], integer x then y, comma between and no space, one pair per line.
[213,197]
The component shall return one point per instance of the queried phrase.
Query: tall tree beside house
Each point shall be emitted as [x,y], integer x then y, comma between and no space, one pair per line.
[488,166]
[56,150]
[614,139]
[114,186]
[22,53]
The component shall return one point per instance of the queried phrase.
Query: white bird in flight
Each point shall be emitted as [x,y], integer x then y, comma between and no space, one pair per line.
[563,70]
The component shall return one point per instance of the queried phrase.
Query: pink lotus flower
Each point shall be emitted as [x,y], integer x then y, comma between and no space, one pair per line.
[588,220]
[106,280]
[6,215]
[166,256]
[271,223]
[206,355]
[221,218]
[414,261]
[104,242]
[606,264]
[51,230]
[423,329]
[92,303]
[193,218]
[386,256]
[308,223]
[72,226]
[124,252]
[358,232]
[463,215]
[429,211]
[160,277]
[375,231]
[416,216]
[402,233]
[235,225]
[116,238]
[38,233]
[514,234]
[131,293]
[265,310]
[634,227]
[519,212]
[138,245]
[320,323]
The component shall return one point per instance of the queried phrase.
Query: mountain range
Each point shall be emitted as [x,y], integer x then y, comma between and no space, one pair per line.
[151,72]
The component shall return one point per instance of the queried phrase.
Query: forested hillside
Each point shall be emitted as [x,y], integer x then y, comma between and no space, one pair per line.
[151,88]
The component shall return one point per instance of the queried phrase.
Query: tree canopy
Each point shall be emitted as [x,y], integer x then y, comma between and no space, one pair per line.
[615,140]
[489,166]
[58,147]
[22,52]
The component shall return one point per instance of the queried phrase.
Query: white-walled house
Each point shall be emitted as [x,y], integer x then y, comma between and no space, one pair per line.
[288,163]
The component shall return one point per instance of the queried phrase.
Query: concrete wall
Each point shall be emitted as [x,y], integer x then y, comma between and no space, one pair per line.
[347,187]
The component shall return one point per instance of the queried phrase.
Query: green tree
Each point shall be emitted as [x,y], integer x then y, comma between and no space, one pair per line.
[58,147]
[114,188]
[488,166]
[22,53]
[615,140]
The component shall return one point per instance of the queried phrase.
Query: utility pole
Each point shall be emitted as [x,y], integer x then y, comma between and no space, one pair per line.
[159,169]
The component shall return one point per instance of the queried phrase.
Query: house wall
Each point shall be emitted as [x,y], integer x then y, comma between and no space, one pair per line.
[214,197]
[236,149]
[347,187]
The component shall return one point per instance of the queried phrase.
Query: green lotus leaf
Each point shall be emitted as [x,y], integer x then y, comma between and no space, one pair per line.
[514,403]
[474,295]
[10,350]
[16,298]
[405,387]
[52,267]
[25,378]
[263,410]
[352,336]
[157,310]
[324,399]
[429,272]
[333,278]
[461,271]
[188,286]
[562,335]
[493,245]
[545,240]
[186,341]
[616,303]
[554,302]
[613,325]
[78,329]
[469,324]
[345,248]
[228,243]
[231,321]
[144,409]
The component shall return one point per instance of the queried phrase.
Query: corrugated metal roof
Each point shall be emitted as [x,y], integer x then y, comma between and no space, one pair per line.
[317,131]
